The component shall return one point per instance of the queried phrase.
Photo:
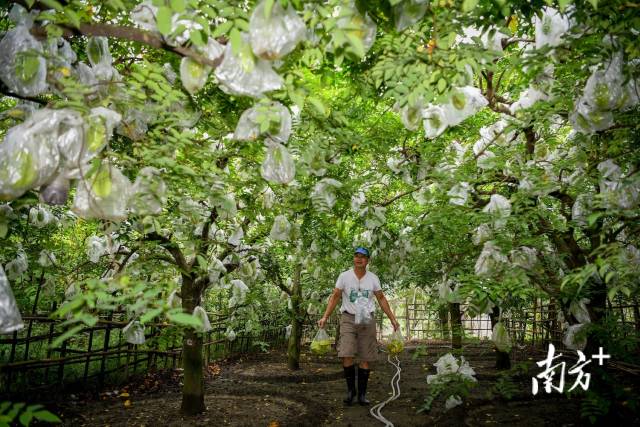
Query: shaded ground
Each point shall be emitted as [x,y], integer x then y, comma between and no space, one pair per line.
[258,390]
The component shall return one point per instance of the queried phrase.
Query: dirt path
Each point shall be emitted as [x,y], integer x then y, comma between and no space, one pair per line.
[258,390]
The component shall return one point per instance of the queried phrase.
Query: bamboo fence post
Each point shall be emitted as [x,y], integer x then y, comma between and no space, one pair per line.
[105,347]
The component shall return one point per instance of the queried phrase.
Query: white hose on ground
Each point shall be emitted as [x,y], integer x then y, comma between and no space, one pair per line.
[376,411]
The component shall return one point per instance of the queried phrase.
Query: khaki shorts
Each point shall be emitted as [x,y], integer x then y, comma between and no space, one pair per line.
[357,339]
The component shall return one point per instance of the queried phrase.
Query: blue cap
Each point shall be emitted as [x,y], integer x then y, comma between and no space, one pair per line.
[363,251]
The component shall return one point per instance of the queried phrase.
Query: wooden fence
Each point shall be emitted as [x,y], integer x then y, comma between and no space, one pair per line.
[101,354]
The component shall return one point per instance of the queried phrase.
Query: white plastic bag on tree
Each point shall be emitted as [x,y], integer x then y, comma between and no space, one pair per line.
[236,237]
[98,51]
[444,289]
[277,34]
[10,319]
[481,234]
[459,194]
[29,156]
[463,103]
[204,318]
[95,248]
[278,166]
[358,26]
[610,170]
[280,229]
[411,115]
[524,257]
[215,270]
[40,217]
[604,89]
[500,208]
[324,194]
[452,401]
[578,309]
[246,75]
[588,120]
[18,266]
[268,198]
[527,99]
[46,259]
[193,74]
[408,13]
[23,69]
[490,261]
[230,334]
[134,333]
[56,192]
[500,337]
[174,300]
[272,120]
[550,28]
[144,15]
[581,208]
[434,121]
[148,192]
[103,194]
[575,337]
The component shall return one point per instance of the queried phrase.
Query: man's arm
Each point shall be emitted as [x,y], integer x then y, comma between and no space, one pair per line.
[384,305]
[333,301]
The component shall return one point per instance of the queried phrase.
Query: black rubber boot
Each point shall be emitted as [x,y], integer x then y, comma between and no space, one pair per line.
[363,379]
[350,376]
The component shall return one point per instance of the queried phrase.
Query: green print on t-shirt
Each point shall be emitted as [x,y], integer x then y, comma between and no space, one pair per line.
[353,295]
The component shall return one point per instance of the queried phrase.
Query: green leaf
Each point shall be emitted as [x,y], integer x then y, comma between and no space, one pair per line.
[562,4]
[442,85]
[47,416]
[185,319]
[163,19]
[150,315]
[72,17]
[197,38]
[177,5]
[53,4]
[268,7]
[468,5]
[594,3]
[101,184]
[318,105]
[236,40]
[65,336]
[25,418]
[356,44]
[4,229]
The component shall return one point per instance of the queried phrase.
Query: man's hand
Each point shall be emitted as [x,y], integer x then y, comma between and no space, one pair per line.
[396,325]
[322,322]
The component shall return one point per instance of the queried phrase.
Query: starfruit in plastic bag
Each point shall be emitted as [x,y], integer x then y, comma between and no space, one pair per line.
[500,337]
[321,343]
[204,318]
[396,343]
[10,319]
[278,166]
[273,120]
[276,34]
[408,13]
[102,194]
[22,67]
[134,333]
[193,74]
[148,192]
[243,74]
[280,229]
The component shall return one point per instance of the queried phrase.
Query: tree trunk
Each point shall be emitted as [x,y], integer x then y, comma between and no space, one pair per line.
[192,362]
[456,325]
[293,349]
[443,313]
[503,361]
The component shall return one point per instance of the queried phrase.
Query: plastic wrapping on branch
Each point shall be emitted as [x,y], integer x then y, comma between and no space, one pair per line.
[324,194]
[321,343]
[490,39]
[581,208]
[193,74]
[500,208]
[376,218]
[103,194]
[40,217]
[575,337]
[434,121]
[524,257]
[268,198]
[95,248]
[527,99]
[500,337]
[276,34]
[10,319]
[215,270]
[148,194]
[236,237]
[550,28]
[246,75]
[272,120]
[490,261]
[174,300]
[46,258]
[134,333]
[463,103]
[18,266]
[280,229]
[23,69]
[101,61]
[56,192]
[278,166]
[578,309]
[357,26]
[411,115]
[199,313]
[408,13]
[459,194]
[481,234]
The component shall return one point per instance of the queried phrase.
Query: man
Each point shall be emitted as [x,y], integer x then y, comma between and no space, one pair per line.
[361,339]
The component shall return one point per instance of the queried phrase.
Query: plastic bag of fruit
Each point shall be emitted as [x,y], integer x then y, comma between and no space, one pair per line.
[321,343]
[396,343]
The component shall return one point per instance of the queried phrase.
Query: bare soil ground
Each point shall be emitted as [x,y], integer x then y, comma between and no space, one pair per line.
[258,390]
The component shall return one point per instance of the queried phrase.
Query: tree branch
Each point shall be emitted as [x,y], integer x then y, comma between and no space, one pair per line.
[399,196]
[170,246]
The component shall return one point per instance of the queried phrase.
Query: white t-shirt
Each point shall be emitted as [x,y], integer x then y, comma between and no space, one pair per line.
[352,288]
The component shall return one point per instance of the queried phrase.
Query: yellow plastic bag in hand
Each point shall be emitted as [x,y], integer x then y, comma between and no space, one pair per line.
[321,343]
[396,343]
